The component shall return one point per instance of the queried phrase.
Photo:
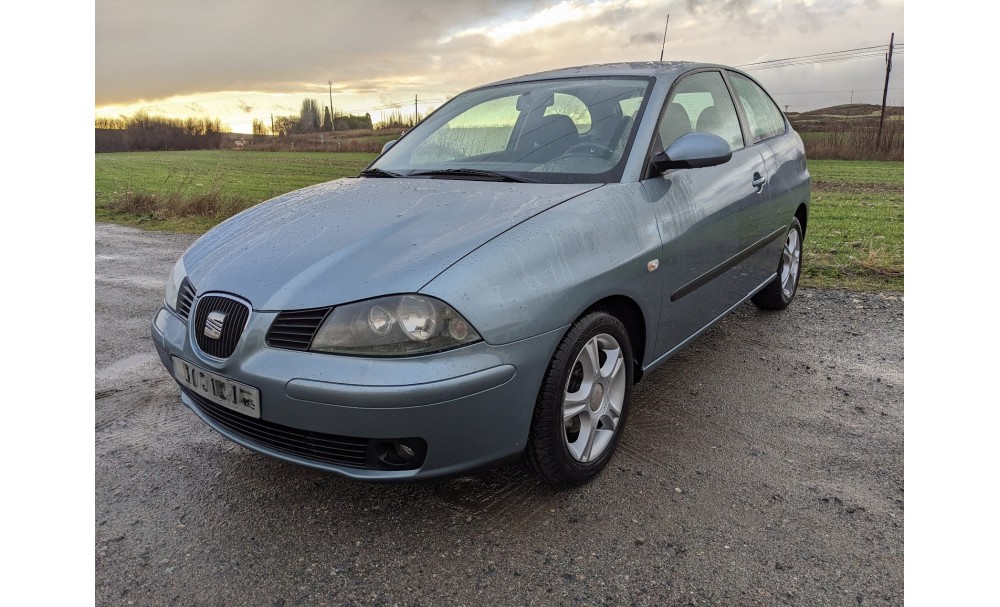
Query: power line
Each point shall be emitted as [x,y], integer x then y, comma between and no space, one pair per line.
[897,88]
[818,61]
[816,58]
[850,50]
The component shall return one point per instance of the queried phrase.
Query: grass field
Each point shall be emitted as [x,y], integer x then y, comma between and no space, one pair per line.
[855,234]
[235,179]
[854,240]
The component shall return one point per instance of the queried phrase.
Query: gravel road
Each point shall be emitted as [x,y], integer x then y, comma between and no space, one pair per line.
[761,466]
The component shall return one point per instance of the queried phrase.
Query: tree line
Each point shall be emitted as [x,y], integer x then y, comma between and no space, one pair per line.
[311,120]
[142,132]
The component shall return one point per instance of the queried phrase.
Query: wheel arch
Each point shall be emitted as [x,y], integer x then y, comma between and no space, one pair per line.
[630,314]
[802,214]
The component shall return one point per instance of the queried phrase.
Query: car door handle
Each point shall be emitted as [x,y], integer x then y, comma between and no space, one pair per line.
[758,182]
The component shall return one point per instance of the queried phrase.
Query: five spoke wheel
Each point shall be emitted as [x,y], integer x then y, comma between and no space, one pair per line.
[595,394]
[583,402]
[791,256]
[779,292]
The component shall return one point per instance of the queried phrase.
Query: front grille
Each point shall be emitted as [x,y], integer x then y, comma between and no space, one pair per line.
[236,315]
[295,330]
[185,297]
[328,448]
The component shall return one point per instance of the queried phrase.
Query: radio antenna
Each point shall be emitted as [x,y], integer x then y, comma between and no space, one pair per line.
[664,37]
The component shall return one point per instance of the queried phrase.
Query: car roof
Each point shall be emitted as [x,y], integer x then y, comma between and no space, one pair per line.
[642,69]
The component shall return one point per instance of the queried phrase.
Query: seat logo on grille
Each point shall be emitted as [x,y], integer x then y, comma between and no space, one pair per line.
[213,324]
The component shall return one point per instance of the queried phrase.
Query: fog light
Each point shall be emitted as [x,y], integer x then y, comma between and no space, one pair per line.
[398,454]
[405,452]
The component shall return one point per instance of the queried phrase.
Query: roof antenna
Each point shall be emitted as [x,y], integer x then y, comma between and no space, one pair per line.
[664,36]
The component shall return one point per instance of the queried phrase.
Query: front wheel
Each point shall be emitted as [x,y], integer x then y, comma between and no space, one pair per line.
[583,402]
[779,292]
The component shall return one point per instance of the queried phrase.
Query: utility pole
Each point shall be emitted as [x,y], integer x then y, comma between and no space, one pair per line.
[330,82]
[885,91]
[414,110]
[664,36]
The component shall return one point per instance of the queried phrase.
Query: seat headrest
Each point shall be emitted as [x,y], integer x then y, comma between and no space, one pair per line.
[709,120]
[549,138]
[676,122]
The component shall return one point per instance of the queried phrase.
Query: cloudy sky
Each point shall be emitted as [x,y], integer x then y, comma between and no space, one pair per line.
[247,59]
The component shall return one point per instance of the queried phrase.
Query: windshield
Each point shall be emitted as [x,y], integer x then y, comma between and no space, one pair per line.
[554,131]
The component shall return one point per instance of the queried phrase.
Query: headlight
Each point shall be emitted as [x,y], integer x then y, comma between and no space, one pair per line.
[393,326]
[177,276]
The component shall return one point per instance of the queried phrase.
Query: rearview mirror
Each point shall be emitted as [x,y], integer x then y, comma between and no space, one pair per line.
[692,151]
[388,144]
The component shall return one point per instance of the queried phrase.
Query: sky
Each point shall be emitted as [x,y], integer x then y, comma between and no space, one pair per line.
[248,59]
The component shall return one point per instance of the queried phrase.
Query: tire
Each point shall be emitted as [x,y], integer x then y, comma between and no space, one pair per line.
[557,452]
[780,292]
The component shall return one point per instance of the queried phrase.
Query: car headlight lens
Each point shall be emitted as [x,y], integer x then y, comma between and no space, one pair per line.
[177,276]
[398,325]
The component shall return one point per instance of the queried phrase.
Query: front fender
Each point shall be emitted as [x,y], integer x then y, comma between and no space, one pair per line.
[542,274]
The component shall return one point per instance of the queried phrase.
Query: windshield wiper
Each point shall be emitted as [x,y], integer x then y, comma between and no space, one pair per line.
[472,173]
[378,173]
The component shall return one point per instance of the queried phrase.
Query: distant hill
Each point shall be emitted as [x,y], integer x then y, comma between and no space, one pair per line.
[830,118]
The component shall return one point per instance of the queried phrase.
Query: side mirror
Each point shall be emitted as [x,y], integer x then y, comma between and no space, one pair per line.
[692,151]
[388,144]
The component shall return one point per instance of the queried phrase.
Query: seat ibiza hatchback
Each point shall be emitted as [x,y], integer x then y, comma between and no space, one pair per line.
[496,281]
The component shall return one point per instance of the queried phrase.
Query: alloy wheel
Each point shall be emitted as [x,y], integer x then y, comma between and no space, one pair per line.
[594,398]
[791,256]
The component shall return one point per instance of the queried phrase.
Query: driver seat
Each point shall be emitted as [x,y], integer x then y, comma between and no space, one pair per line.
[546,139]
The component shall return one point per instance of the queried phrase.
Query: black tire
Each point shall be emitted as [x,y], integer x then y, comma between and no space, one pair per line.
[547,455]
[773,296]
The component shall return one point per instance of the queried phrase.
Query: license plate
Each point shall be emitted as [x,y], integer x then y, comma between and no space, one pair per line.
[218,389]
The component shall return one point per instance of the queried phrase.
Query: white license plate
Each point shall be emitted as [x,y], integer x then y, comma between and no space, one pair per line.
[218,389]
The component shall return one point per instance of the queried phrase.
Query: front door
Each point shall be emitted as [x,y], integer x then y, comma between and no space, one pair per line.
[708,217]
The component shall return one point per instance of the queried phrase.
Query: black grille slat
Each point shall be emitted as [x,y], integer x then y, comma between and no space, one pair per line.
[292,331]
[329,448]
[235,321]
[296,329]
[185,297]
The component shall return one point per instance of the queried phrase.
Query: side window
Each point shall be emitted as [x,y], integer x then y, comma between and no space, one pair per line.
[764,117]
[701,102]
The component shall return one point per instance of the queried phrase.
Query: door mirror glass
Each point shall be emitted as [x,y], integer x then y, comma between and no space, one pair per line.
[693,151]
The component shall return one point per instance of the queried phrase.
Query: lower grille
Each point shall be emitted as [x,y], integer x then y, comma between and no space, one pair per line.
[327,448]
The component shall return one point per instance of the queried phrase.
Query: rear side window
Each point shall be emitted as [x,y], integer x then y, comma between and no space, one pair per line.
[701,102]
[765,118]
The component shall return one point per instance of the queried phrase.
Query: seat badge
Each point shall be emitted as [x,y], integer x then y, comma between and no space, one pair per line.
[213,324]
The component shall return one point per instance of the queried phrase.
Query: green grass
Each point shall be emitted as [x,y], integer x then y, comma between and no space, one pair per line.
[854,239]
[241,178]
[855,233]
[856,172]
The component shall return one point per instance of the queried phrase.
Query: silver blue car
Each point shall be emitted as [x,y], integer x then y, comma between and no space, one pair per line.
[495,282]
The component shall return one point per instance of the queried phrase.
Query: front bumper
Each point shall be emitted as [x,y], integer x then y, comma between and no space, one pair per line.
[471,405]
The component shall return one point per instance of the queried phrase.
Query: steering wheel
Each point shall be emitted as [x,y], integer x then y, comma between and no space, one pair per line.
[604,151]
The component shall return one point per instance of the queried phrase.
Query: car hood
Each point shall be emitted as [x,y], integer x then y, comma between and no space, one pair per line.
[352,239]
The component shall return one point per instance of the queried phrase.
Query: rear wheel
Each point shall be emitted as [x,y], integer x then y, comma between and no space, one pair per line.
[583,402]
[780,292]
